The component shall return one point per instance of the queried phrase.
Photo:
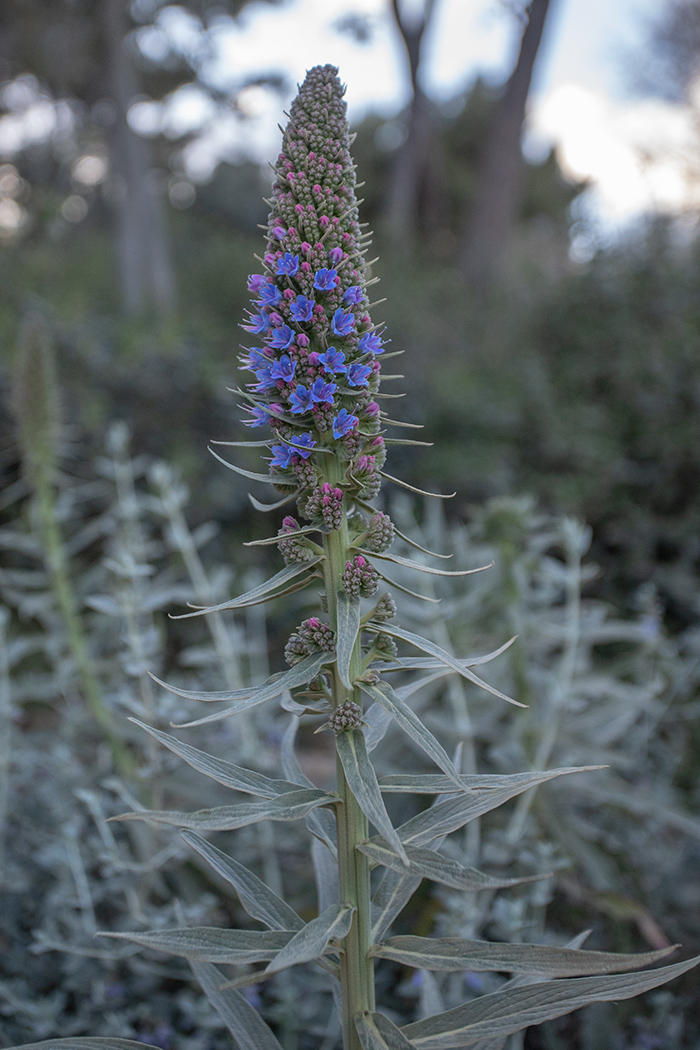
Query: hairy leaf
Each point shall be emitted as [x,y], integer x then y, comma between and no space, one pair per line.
[250,597]
[501,1013]
[273,506]
[85,1042]
[348,628]
[431,865]
[291,806]
[209,944]
[422,663]
[242,1020]
[256,897]
[320,822]
[384,695]
[456,953]
[412,488]
[393,893]
[377,1032]
[435,784]
[266,479]
[362,781]
[419,567]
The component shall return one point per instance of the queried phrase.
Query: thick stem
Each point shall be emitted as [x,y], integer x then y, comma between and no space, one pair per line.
[356,967]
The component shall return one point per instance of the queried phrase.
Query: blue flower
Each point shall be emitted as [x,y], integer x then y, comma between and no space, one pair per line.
[282,338]
[265,379]
[343,323]
[322,392]
[259,322]
[283,369]
[353,295]
[300,399]
[344,423]
[259,416]
[281,456]
[371,341]
[358,374]
[303,444]
[333,360]
[324,281]
[255,282]
[270,294]
[302,309]
[255,359]
[288,264]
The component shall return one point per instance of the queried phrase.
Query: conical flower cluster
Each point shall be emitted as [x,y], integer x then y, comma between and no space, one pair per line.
[315,361]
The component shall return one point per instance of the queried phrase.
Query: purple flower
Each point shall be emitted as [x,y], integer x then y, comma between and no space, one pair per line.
[281,456]
[300,399]
[344,423]
[259,416]
[358,374]
[324,281]
[322,392]
[353,295]
[282,338]
[270,294]
[335,255]
[255,359]
[259,322]
[279,232]
[371,341]
[265,379]
[288,264]
[255,282]
[333,360]
[283,369]
[303,444]
[343,323]
[302,309]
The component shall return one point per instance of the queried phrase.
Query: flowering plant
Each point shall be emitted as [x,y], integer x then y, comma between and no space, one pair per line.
[316,369]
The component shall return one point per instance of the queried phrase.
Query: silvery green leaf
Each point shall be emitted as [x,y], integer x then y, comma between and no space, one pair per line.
[85,1042]
[456,953]
[421,663]
[243,1021]
[377,721]
[390,898]
[320,823]
[453,813]
[377,1032]
[446,658]
[405,590]
[348,628]
[250,597]
[209,944]
[436,784]
[256,897]
[384,695]
[238,778]
[291,806]
[431,865]
[271,540]
[325,874]
[412,488]
[266,479]
[502,1013]
[362,781]
[396,559]
[272,506]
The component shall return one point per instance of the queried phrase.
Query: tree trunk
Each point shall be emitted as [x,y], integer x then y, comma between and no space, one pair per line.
[143,260]
[492,212]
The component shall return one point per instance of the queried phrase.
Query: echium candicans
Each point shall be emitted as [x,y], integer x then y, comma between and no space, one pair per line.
[316,373]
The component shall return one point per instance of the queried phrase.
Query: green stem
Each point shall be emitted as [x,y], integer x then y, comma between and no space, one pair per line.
[356,966]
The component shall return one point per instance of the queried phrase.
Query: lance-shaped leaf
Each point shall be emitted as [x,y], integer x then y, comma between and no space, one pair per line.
[393,893]
[266,479]
[257,898]
[377,1032]
[301,674]
[273,506]
[446,658]
[422,663]
[362,781]
[242,1020]
[412,488]
[232,776]
[209,944]
[348,628]
[407,563]
[435,784]
[453,813]
[405,590]
[261,591]
[308,945]
[85,1042]
[502,1013]
[269,541]
[431,865]
[408,720]
[456,953]
[291,806]
[320,822]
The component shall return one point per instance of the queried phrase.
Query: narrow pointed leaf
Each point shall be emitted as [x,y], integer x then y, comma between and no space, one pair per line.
[250,597]
[209,944]
[377,1032]
[267,479]
[362,781]
[456,953]
[447,658]
[422,663]
[400,422]
[273,506]
[291,806]
[243,444]
[270,540]
[85,1042]
[502,1013]
[405,590]
[453,813]
[257,898]
[393,893]
[300,674]
[412,488]
[242,1020]
[409,564]
[320,822]
[440,869]
[435,784]
[348,623]
[311,941]
[232,776]
[408,720]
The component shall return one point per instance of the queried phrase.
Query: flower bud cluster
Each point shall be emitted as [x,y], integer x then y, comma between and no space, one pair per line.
[347,716]
[312,636]
[380,533]
[293,549]
[385,609]
[360,579]
[326,502]
[385,647]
